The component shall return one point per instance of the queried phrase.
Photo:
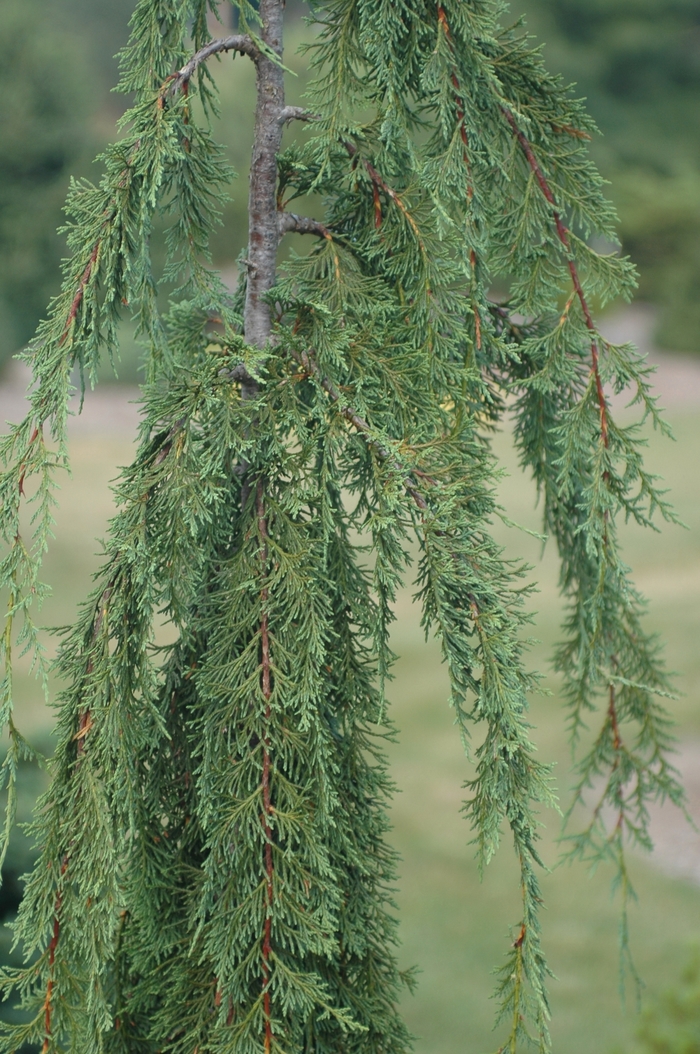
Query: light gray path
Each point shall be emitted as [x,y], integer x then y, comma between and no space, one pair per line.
[108,411]
[677,379]
[676,842]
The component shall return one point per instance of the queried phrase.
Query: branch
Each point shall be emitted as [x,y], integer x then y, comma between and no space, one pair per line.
[381,184]
[296,113]
[240,42]
[378,183]
[82,285]
[289,222]
[563,233]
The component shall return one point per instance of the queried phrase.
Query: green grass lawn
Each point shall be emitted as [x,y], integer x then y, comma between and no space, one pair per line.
[454,927]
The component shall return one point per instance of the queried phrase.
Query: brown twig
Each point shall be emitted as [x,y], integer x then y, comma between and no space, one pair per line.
[377,201]
[520,939]
[563,234]
[612,714]
[82,285]
[48,1001]
[567,129]
[381,184]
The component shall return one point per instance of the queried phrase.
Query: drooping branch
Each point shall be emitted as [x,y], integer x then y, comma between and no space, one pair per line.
[527,943]
[563,234]
[241,42]
[84,726]
[55,936]
[444,24]
[85,718]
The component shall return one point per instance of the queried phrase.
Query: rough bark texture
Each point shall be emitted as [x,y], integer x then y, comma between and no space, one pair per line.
[263,229]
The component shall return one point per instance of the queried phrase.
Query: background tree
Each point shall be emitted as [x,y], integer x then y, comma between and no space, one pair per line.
[41,142]
[213,870]
[638,66]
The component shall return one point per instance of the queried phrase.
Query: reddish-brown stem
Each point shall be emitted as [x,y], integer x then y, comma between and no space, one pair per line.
[82,285]
[84,726]
[563,234]
[567,129]
[48,1001]
[378,183]
[377,205]
[612,714]
[266,684]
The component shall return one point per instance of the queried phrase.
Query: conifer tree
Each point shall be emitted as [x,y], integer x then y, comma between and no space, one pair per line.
[214,871]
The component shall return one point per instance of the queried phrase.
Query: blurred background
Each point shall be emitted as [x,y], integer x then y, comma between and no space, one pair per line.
[638,64]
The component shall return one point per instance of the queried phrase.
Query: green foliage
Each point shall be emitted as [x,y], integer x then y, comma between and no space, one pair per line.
[56,82]
[213,871]
[41,141]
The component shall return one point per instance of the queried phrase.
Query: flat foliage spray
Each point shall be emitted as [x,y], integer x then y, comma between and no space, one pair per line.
[214,872]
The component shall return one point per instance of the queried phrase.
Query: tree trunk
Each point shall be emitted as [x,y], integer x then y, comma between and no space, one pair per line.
[263,231]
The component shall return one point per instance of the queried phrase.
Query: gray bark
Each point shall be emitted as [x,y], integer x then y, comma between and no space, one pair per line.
[288,222]
[263,224]
[240,42]
[263,228]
